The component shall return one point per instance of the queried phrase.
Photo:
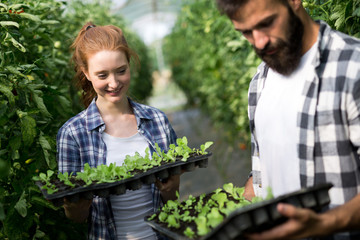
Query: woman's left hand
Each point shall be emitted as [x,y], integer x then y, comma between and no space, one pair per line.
[169,187]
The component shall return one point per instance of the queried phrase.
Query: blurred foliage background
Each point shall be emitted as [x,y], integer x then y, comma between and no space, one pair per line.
[210,61]
[213,63]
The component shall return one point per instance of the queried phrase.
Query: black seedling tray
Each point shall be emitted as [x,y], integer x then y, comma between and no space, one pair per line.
[259,216]
[119,187]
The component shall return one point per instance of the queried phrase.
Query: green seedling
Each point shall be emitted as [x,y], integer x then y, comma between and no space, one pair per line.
[66,178]
[189,233]
[210,211]
[112,173]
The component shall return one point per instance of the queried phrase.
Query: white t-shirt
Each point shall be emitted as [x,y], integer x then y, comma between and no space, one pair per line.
[129,209]
[276,127]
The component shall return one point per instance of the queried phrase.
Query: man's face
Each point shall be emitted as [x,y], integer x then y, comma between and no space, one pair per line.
[274,31]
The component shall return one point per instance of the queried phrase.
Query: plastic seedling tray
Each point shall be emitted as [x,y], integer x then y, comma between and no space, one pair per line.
[119,187]
[257,217]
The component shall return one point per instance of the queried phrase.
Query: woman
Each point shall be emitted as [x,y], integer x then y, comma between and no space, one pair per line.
[111,127]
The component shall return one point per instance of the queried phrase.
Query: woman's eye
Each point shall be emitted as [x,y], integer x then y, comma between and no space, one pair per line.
[102,76]
[122,71]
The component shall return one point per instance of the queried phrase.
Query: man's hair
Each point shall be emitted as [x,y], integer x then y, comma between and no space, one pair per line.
[231,7]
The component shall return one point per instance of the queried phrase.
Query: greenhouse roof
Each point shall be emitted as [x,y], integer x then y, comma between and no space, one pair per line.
[151,19]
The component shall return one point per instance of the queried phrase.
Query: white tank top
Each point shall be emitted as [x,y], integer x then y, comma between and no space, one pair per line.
[129,209]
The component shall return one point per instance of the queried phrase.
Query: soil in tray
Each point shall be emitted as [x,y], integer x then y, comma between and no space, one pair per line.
[193,213]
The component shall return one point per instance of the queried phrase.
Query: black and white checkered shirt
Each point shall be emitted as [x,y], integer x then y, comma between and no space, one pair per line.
[328,118]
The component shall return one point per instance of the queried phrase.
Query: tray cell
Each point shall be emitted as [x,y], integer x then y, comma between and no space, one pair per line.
[175,170]
[103,193]
[163,174]
[202,163]
[149,179]
[118,189]
[189,167]
[134,185]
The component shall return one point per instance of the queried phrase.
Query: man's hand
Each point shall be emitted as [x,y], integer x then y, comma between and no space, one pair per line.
[301,223]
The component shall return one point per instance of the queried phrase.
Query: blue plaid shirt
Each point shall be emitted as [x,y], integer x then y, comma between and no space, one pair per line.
[79,141]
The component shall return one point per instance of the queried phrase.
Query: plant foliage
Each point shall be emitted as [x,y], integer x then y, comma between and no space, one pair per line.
[132,165]
[36,98]
[197,216]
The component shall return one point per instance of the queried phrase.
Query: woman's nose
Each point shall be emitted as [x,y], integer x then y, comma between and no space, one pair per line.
[113,81]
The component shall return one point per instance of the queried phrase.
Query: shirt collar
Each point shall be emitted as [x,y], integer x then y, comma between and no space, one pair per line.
[94,119]
[140,111]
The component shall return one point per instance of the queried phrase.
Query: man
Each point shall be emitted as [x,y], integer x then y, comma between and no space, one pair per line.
[304,105]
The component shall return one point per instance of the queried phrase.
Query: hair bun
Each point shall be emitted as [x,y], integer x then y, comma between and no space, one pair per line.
[90,26]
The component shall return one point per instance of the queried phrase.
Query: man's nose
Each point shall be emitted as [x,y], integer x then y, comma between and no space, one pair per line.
[260,39]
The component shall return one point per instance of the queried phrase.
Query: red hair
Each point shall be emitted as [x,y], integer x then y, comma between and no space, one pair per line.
[90,40]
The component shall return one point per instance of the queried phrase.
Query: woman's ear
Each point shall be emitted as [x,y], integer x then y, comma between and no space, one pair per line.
[295,4]
[85,73]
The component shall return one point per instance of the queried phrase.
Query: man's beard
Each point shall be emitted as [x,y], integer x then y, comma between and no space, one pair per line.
[288,54]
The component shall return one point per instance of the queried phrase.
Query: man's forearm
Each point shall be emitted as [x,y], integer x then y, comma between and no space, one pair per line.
[345,217]
[249,189]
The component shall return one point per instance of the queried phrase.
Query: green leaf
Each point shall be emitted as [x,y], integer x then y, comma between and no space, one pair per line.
[189,232]
[202,227]
[30,16]
[4,6]
[13,70]
[43,202]
[2,212]
[44,142]
[163,216]
[40,104]
[20,206]
[50,22]
[9,23]
[17,6]
[7,92]
[228,187]
[220,198]
[17,44]
[173,222]
[15,142]
[208,144]
[28,129]
[39,234]
[356,12]
[214,218]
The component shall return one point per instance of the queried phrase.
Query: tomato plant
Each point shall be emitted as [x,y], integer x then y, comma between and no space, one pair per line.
[37,97]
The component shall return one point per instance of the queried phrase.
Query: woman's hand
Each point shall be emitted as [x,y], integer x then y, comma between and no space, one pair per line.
[77,211]
[169,187]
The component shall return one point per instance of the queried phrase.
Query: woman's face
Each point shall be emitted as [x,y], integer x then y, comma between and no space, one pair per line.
[109,73]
